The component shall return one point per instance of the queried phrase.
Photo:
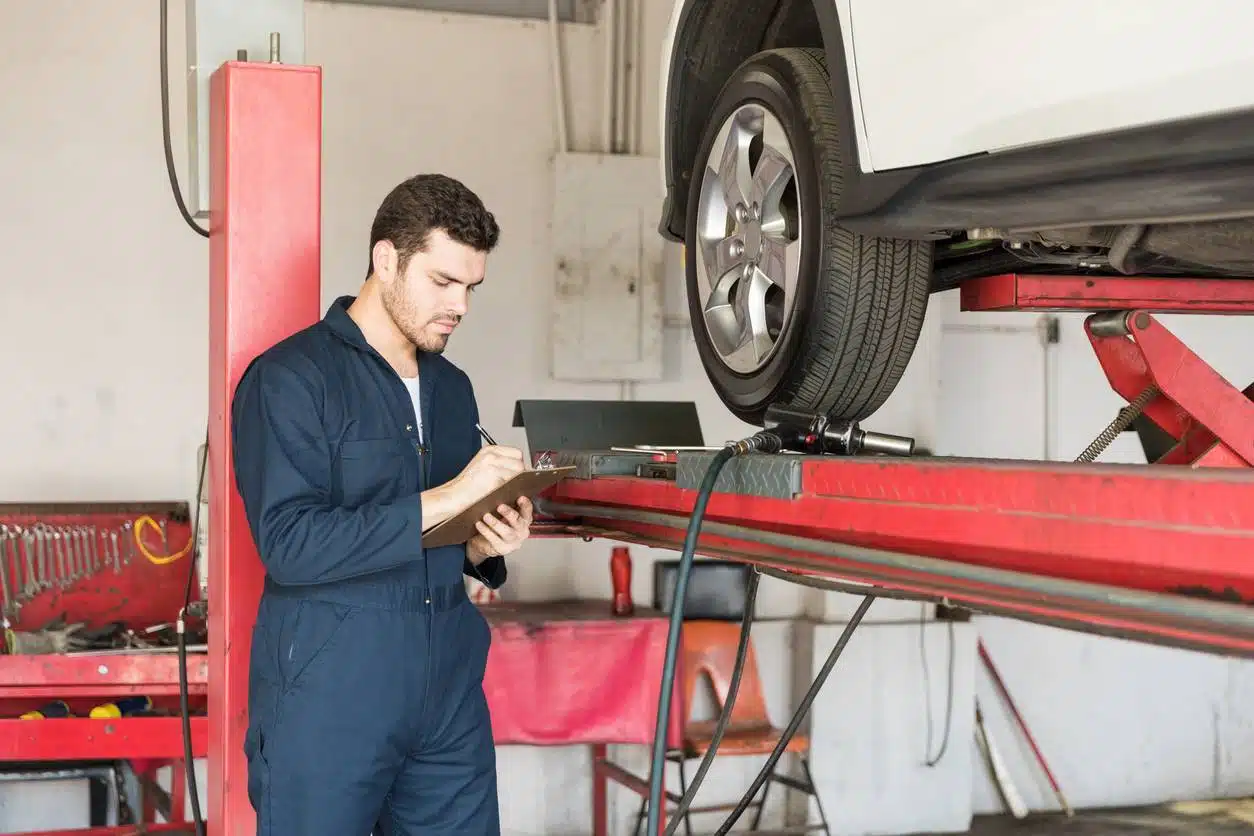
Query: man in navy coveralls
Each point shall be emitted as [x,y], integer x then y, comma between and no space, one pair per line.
[353,436]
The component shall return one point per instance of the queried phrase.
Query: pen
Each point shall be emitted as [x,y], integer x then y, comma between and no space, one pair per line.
[485,435]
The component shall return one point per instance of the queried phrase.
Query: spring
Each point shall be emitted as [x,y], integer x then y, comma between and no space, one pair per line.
[1122,421]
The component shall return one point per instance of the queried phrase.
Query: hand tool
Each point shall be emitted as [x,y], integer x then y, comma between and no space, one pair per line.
[32,581]
[46,574]
[71,556]
[113,547]
[84,559]
[58,547]
[93,547]
[6,600]
[128,539]
[39,579]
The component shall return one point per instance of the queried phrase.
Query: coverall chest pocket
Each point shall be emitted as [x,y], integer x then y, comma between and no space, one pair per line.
[370,470]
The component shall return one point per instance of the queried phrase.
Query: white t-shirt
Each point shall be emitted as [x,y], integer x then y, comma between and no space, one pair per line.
[412,384]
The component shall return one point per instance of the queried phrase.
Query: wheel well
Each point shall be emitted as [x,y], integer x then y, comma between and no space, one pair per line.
[715,37]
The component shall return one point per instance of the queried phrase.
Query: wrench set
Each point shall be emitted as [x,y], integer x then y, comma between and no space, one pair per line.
[41,556]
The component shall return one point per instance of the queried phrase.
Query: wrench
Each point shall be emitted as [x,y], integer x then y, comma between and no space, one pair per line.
[7,603]
[93,537]
[63,560]
[67,548]
[113,546]
[129,541]
[50,570]
[86,549]
[31,588]
[39,580]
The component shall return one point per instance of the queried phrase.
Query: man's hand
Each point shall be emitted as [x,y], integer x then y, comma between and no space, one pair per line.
[488,470]
[501,535]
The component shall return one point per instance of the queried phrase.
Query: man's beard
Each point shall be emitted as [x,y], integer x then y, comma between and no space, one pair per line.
[395,304]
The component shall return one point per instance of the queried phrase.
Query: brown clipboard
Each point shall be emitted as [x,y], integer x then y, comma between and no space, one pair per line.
[461,526]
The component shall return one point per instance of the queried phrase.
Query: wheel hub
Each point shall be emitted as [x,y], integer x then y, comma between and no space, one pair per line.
[748,238]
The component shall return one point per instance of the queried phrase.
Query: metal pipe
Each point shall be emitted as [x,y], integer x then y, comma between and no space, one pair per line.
[1236,618]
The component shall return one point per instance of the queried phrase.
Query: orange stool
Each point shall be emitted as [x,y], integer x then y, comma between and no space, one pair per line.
[708,648]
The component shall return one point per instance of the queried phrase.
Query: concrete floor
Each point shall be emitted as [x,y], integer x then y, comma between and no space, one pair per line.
[1195,819]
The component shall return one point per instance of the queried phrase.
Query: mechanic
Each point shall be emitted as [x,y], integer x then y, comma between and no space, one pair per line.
[352,437]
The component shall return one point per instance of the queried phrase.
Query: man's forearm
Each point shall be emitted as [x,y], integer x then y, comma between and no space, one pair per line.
[439,504]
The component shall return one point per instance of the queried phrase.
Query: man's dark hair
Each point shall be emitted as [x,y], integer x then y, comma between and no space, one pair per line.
[425,203]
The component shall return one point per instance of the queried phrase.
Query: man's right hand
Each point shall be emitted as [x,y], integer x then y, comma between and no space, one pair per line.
[488,470]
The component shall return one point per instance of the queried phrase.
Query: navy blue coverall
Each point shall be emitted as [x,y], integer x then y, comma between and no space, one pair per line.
[366,701]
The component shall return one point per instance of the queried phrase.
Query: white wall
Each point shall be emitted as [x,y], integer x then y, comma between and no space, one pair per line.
[107,287]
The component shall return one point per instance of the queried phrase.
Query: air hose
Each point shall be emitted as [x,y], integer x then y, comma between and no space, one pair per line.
[771,440]
[189,763]
[657,770]
[724,717]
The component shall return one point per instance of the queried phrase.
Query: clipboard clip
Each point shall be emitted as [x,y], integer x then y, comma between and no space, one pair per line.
[544,461]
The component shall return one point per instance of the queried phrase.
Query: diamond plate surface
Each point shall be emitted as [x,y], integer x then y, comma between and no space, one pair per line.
[588,464]
[776,477]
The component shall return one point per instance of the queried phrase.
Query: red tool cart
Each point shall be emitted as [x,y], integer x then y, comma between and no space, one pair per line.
[89,673]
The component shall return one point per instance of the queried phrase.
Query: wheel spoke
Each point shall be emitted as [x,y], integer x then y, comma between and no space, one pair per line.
[772,174]
[733,168]
[721,321]
[755,339]
[721,257]
[781,262]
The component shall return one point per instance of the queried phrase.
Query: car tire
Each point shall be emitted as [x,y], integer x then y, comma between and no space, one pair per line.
[786,305]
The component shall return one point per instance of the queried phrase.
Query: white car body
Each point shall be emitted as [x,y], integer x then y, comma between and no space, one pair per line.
[972,76]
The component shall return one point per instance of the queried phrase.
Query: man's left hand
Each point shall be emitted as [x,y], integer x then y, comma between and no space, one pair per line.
[503,534]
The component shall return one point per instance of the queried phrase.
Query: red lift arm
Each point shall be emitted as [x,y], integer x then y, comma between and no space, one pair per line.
[1156,553]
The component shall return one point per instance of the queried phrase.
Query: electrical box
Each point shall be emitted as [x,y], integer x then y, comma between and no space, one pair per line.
[607,299]
[226,30]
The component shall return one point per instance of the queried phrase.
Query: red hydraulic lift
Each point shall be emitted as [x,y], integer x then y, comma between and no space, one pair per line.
[1158,553]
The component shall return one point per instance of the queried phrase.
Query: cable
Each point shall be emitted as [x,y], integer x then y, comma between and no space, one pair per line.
[798,715]
[657,770]
[159,559]
[931,761]
[766,441]
[724,719]
[165,121]
[189,764]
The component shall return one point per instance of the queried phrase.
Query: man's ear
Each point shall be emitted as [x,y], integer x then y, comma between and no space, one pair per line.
[385,260]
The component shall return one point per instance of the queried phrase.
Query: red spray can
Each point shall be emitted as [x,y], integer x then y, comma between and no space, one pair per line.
[620,574]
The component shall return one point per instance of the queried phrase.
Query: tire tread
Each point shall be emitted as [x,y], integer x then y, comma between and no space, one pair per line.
[866,320]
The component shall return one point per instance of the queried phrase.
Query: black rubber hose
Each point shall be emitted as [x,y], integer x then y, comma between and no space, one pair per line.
[733,688]
[165,122]
[185,710]
[189,763]
[797,717]
[657,772]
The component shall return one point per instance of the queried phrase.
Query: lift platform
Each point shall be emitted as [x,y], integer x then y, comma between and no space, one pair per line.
[1157,553]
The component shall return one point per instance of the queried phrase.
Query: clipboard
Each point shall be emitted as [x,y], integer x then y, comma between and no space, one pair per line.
[461,526]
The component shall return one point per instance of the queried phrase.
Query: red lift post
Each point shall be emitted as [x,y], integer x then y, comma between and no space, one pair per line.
[264,284]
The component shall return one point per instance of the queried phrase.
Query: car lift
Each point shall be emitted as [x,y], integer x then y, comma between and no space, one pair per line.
[1155,553]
